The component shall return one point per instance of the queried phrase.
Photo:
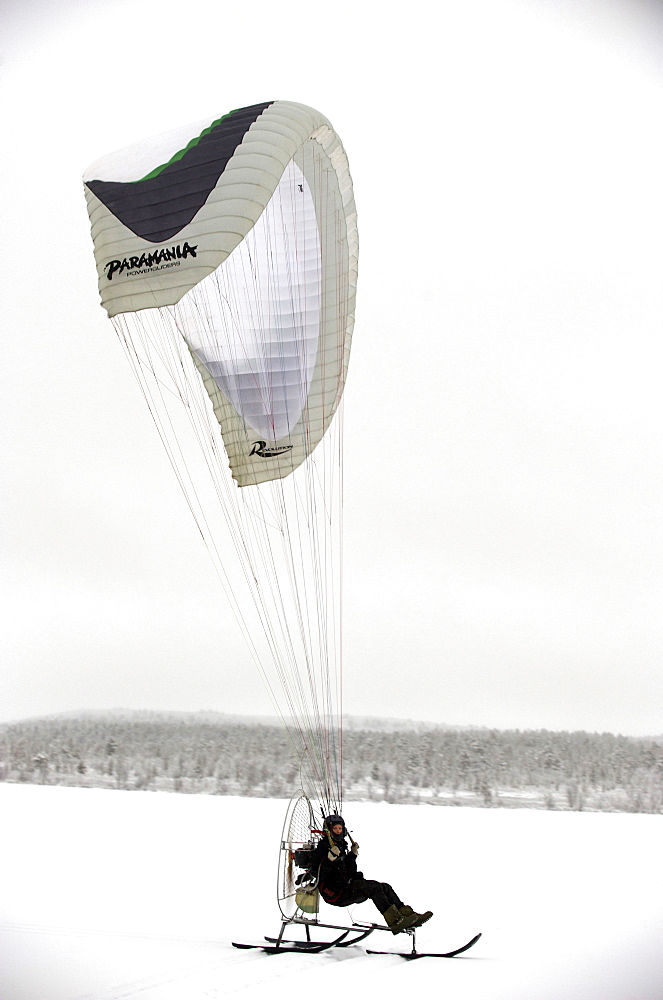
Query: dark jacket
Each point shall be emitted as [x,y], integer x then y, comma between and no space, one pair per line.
[335,876]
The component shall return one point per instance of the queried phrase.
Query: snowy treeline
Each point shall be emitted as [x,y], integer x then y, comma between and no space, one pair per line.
[227,755]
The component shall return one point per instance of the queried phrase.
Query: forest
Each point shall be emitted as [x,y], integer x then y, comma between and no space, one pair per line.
[215,754]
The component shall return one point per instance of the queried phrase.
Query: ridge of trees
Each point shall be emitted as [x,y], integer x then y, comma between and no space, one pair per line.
[227,755]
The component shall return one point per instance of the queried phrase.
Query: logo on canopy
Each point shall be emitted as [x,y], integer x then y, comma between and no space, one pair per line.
[260,448]
[155,260]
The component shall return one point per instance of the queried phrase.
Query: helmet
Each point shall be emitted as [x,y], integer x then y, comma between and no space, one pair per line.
[331,821]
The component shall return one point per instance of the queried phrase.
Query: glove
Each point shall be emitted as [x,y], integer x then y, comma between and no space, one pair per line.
[334,853]
[355,848]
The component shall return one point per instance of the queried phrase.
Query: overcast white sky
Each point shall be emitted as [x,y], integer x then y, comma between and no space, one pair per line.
[504,416]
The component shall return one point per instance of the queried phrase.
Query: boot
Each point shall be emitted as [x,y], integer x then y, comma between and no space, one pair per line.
[396,921]
[417,919]
[412,919]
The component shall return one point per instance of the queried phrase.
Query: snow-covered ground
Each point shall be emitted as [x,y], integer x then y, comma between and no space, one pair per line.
[111,894]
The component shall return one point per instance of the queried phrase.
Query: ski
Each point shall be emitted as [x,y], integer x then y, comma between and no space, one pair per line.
[339,943]
[428,954]
[305,947]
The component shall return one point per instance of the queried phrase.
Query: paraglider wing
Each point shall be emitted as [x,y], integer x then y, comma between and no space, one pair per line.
[241,233]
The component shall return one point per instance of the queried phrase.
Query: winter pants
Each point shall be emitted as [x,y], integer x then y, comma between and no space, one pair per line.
[380,893]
